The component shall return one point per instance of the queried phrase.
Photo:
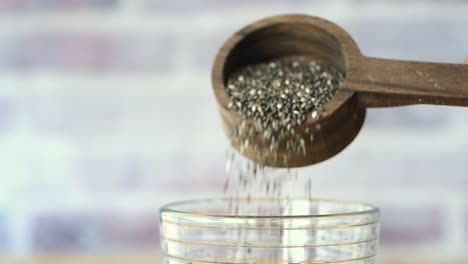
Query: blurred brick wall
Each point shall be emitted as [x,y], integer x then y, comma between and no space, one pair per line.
[106,113]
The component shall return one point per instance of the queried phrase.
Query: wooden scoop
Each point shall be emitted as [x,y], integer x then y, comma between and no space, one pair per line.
[369,82]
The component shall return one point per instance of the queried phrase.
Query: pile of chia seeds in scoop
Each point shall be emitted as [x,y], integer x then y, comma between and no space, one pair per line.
[277,96]
[273,98]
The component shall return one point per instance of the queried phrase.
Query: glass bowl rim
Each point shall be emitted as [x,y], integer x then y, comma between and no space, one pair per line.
[167,209]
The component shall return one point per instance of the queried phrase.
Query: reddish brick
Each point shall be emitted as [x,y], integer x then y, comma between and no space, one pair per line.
[132,231]
[27,5]
[93,52]
[92,231]
[411,225]
[210,5]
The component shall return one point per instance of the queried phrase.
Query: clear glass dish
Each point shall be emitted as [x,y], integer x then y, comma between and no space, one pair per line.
[269,231]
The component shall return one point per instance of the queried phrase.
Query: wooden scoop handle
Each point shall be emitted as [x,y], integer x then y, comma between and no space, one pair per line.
[382,83]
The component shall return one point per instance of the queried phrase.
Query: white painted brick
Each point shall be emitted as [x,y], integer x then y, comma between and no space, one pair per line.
[47,5]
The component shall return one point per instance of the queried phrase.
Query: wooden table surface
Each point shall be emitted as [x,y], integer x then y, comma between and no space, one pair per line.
[155,259]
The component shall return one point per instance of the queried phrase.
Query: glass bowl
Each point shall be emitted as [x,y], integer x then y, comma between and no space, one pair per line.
[269,231]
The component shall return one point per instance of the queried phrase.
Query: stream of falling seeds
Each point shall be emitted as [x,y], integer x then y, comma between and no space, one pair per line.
[273,98]
[248,180]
